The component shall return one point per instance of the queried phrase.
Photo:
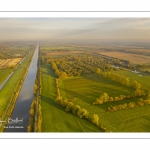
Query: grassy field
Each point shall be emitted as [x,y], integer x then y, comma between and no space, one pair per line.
[142,78]
[54,117]
[4,73]
[84,90]
[90,87]
[9,88]
[134,58]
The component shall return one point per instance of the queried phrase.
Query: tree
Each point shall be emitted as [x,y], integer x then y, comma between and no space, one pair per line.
[32,112]
[148,95]
[136,85]
[98,71]
[85,113]
[69,106]
[131,105]
[137,92]
[95,119]
[104,97]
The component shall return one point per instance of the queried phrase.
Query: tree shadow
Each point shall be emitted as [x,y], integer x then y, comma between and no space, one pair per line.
[48,70]
[52,102]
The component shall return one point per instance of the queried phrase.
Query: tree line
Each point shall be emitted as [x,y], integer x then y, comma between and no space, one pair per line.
[77,110]
[106,98]
[32,112]
[122,80]
[140,102]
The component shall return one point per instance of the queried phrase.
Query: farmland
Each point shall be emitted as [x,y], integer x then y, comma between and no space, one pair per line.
[85,90]
[54,118]
[81,81]
[11,55]
[6,63]
[134,58]
[74,81]
[15,49]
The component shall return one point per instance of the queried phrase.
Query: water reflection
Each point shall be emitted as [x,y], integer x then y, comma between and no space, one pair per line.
[25,98]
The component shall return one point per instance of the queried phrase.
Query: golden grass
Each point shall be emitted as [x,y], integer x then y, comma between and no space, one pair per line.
[5,62]
[14,61]
[2,61]
[9,62]
[134,58]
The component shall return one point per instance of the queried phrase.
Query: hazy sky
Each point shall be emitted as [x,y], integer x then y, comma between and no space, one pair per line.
[75,28]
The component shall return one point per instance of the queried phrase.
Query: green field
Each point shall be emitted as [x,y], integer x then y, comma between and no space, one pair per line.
[10,87]
[3,74]
[142,78]
[60,48]
[84,91]
[54,117]
[90,87]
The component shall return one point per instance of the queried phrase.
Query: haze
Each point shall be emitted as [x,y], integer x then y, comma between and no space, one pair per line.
[75,29]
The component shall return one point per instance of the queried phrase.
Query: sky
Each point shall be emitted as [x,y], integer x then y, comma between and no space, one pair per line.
[75,29]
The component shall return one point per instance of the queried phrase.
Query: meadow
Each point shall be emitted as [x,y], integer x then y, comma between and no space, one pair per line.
[84,90]
[142,78]
[4,73]
[54,118]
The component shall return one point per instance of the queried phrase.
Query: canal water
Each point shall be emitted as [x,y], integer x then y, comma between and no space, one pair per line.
[19,119]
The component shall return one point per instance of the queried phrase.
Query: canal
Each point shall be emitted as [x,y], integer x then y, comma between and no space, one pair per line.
[19,119]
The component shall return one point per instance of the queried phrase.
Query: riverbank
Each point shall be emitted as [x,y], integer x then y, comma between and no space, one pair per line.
[10,91]
[25,98]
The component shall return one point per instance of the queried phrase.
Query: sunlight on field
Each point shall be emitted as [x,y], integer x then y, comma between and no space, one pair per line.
[134,58]
[9,62]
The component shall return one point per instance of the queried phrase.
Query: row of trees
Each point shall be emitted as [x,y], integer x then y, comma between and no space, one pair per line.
[39,117]
[146,53]
[140,102]
[77,110]
[80,112]
[33,111]
[69,106]
[117,78]
[106,98]
[122,80]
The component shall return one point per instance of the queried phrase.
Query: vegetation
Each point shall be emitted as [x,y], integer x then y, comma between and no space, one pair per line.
[10,91]
[132,58]
[140,102]
[3,74]
[35,120]
[54,118]
[82,78]
[81,64]
[82,90]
